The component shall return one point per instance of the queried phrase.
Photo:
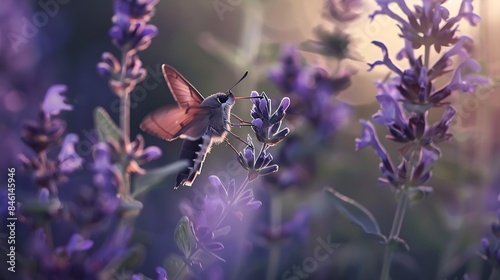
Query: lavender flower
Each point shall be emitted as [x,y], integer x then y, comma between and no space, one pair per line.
[131,34]
[54,101]
[311,89]
[140,10]
[286,73]
[68,159]
[424,25]
[62,262]
[265,124]
[333,44]
[416,85]
[342,10]
[256,166]
[134,154]
[491,252]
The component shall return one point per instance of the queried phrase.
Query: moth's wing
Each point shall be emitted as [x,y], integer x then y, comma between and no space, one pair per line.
[183,91]
[171,123]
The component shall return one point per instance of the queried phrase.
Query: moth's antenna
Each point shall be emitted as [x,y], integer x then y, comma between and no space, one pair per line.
[242,78]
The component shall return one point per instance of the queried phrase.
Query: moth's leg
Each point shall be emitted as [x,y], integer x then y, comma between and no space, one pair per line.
[232,147]
[238,124]
[240,119]
[237,137]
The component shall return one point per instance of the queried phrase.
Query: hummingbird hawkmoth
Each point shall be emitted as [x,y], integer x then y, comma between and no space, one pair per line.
[201,122]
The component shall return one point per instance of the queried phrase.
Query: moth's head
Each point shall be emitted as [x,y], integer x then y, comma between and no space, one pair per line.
[225,98]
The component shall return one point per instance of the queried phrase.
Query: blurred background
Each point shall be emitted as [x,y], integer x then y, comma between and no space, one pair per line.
[212,49]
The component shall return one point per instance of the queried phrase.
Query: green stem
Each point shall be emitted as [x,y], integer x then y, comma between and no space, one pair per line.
[125,120]
[427,55]
[181,269]
[395,230]
[274,250]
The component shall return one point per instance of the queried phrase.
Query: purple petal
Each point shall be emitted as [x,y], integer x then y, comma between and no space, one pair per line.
[162,273]
[390,112]
[78,243]
[69,160]
[369,138]
[54,101]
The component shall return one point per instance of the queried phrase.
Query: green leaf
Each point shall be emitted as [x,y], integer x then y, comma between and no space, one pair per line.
[107,130]
[175,266]
[419,193]
[355,212]
[146,182]
[185,237]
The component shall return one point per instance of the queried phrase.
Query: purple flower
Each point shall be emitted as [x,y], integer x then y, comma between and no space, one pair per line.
[369,138]
[429,24]
[416,84]
[315,82]
[54,101]
[333,44]
[69,160]
[42,134]
[285,74]
[297,225]
[132,36]
[78,243]
[343,10]
[140,10]
[256,166]
[390,112]
[162,273]
[133,155]
[265,124]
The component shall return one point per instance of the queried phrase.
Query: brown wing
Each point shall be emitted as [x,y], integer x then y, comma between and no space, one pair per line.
[171,123]
[183,91]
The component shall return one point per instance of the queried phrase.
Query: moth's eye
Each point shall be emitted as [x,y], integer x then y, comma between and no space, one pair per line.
[222,98]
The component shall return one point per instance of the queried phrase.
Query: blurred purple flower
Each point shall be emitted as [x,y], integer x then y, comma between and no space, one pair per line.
[311,90]
[297,225]
[342,10]
[42,134]
[333,44]
[162,273]
[134,154]
[54,101]
[286,73]
[141,10]
[69,160]
[132,36]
